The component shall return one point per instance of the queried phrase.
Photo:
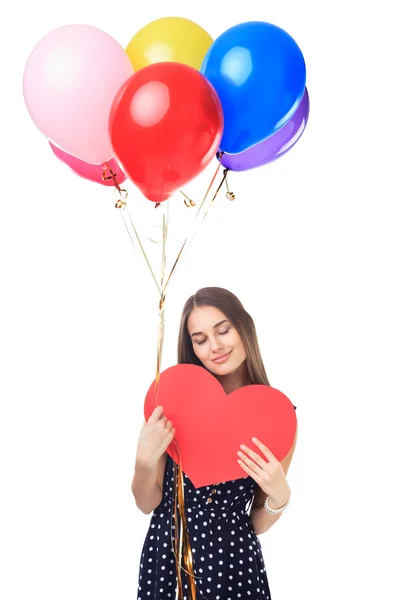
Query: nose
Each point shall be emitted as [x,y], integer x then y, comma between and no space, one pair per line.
[215,345]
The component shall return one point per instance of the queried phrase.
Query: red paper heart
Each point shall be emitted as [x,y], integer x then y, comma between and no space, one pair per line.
[210,425]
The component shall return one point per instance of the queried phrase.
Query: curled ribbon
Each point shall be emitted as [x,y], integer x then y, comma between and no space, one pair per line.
[181,545]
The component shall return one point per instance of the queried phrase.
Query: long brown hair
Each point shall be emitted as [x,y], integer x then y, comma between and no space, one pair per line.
[234,310]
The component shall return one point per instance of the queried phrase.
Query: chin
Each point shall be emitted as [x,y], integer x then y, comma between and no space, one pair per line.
[226,368]
[221,369]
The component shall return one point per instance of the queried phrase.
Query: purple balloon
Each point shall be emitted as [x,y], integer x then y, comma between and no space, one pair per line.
[273,147]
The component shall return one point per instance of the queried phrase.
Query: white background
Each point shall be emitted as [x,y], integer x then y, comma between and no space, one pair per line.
[310,246]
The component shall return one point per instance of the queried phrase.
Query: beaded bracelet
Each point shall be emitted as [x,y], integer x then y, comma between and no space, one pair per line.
[274,511]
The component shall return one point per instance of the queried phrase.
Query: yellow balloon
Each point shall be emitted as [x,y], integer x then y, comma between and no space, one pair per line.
[169,39]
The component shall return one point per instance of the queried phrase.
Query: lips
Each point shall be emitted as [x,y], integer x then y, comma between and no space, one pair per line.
[221,356]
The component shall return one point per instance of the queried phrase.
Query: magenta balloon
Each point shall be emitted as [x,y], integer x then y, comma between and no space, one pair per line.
[88,171]
[273,147]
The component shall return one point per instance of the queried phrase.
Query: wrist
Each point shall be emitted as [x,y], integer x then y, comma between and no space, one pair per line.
[145,465]
[278,502]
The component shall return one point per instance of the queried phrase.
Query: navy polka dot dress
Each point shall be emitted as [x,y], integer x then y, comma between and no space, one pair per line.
[227,556]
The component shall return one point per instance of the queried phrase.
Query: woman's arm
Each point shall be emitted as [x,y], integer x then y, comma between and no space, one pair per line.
[147,485]
[260,519]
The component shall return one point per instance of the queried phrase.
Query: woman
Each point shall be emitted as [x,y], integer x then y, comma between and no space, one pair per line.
[218,334]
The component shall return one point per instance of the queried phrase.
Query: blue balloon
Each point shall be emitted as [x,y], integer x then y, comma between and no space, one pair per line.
[259,73]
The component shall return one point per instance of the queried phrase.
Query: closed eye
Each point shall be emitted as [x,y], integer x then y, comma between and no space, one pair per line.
[220,333]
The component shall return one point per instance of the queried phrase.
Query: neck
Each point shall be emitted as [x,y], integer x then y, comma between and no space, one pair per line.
[235,380]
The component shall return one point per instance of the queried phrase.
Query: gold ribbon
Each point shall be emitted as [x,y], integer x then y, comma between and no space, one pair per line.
[185,548]
[182,547]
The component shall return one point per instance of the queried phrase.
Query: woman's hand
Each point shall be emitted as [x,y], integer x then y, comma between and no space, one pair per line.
[269,474]
[154,438]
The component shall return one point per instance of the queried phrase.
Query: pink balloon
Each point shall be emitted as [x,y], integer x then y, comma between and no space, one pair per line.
[89,171]
[70,81]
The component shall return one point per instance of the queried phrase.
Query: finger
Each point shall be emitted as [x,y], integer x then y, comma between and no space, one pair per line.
[168,424]
[264,449]
[156,414]
[251,464]
[255,456]
[250,472]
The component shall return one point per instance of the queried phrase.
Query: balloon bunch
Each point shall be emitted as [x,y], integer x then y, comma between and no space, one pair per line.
[167,104]
[159,111]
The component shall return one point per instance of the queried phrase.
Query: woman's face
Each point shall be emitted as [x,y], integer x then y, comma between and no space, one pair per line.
[216,342]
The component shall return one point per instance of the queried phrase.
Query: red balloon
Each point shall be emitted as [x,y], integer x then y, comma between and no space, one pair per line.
[165,127]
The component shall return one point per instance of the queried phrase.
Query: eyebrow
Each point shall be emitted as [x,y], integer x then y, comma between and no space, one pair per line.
[214,326]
